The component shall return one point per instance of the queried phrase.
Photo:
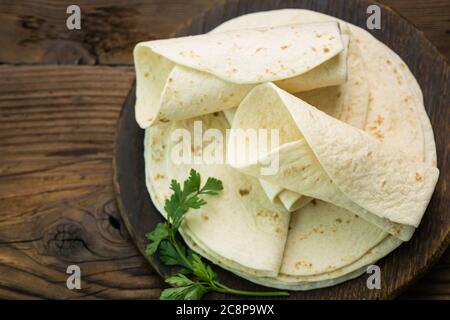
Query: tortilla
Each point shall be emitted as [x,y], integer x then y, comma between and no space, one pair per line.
[348,102]
[326,159]
[339,243]
[250,218]
[225,66]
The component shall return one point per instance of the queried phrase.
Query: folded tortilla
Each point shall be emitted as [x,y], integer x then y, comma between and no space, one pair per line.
[324,158]
[348,102]
[221,68]
[235,225]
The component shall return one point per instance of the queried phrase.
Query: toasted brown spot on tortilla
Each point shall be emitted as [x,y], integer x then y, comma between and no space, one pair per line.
[205,217]
[318,35]
[338,220]
[263,213]
[146,74]
[260,49]
[356,216]
[379,135]
[388,61]
[301,263]
[243,192]
[215,114]
[314,49]
[164,120]
[369,154]
[268,214]
[284,47]
[170,79]
[379,120]
[418,177]
[326,50]
[278,231]
[313,201]
[158,176]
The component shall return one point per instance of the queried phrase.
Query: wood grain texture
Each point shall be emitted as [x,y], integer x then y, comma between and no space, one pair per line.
[399,268]
[56,136]
[35,30]
[56,202]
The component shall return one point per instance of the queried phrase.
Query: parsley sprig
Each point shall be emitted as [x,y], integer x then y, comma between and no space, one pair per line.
[172,252]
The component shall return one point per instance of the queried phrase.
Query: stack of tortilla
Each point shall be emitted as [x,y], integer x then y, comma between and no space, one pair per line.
[356,154]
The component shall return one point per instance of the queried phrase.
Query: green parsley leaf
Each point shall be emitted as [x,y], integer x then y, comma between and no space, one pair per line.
[161,232]
[192,184]
[195,202]
[192,292]
[202,271]
[171,257]
[176,188]
[179,280]
[212,187]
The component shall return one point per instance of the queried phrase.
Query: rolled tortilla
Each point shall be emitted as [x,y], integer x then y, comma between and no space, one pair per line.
[221,68]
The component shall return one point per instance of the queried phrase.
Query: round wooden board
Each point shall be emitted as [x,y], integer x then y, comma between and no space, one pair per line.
[400,268]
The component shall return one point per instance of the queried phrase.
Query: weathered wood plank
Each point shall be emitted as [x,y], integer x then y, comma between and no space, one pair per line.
[34,31]
[56,201]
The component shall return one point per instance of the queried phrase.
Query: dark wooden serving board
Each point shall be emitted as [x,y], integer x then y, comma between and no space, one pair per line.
[400,268]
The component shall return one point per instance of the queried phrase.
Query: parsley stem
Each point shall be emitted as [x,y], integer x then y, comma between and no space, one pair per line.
[224,289]
[181,253]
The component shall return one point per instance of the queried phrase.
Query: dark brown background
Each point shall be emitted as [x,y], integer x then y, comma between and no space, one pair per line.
[57,126]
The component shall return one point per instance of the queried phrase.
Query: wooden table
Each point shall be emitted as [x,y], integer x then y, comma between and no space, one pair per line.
[57,126]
